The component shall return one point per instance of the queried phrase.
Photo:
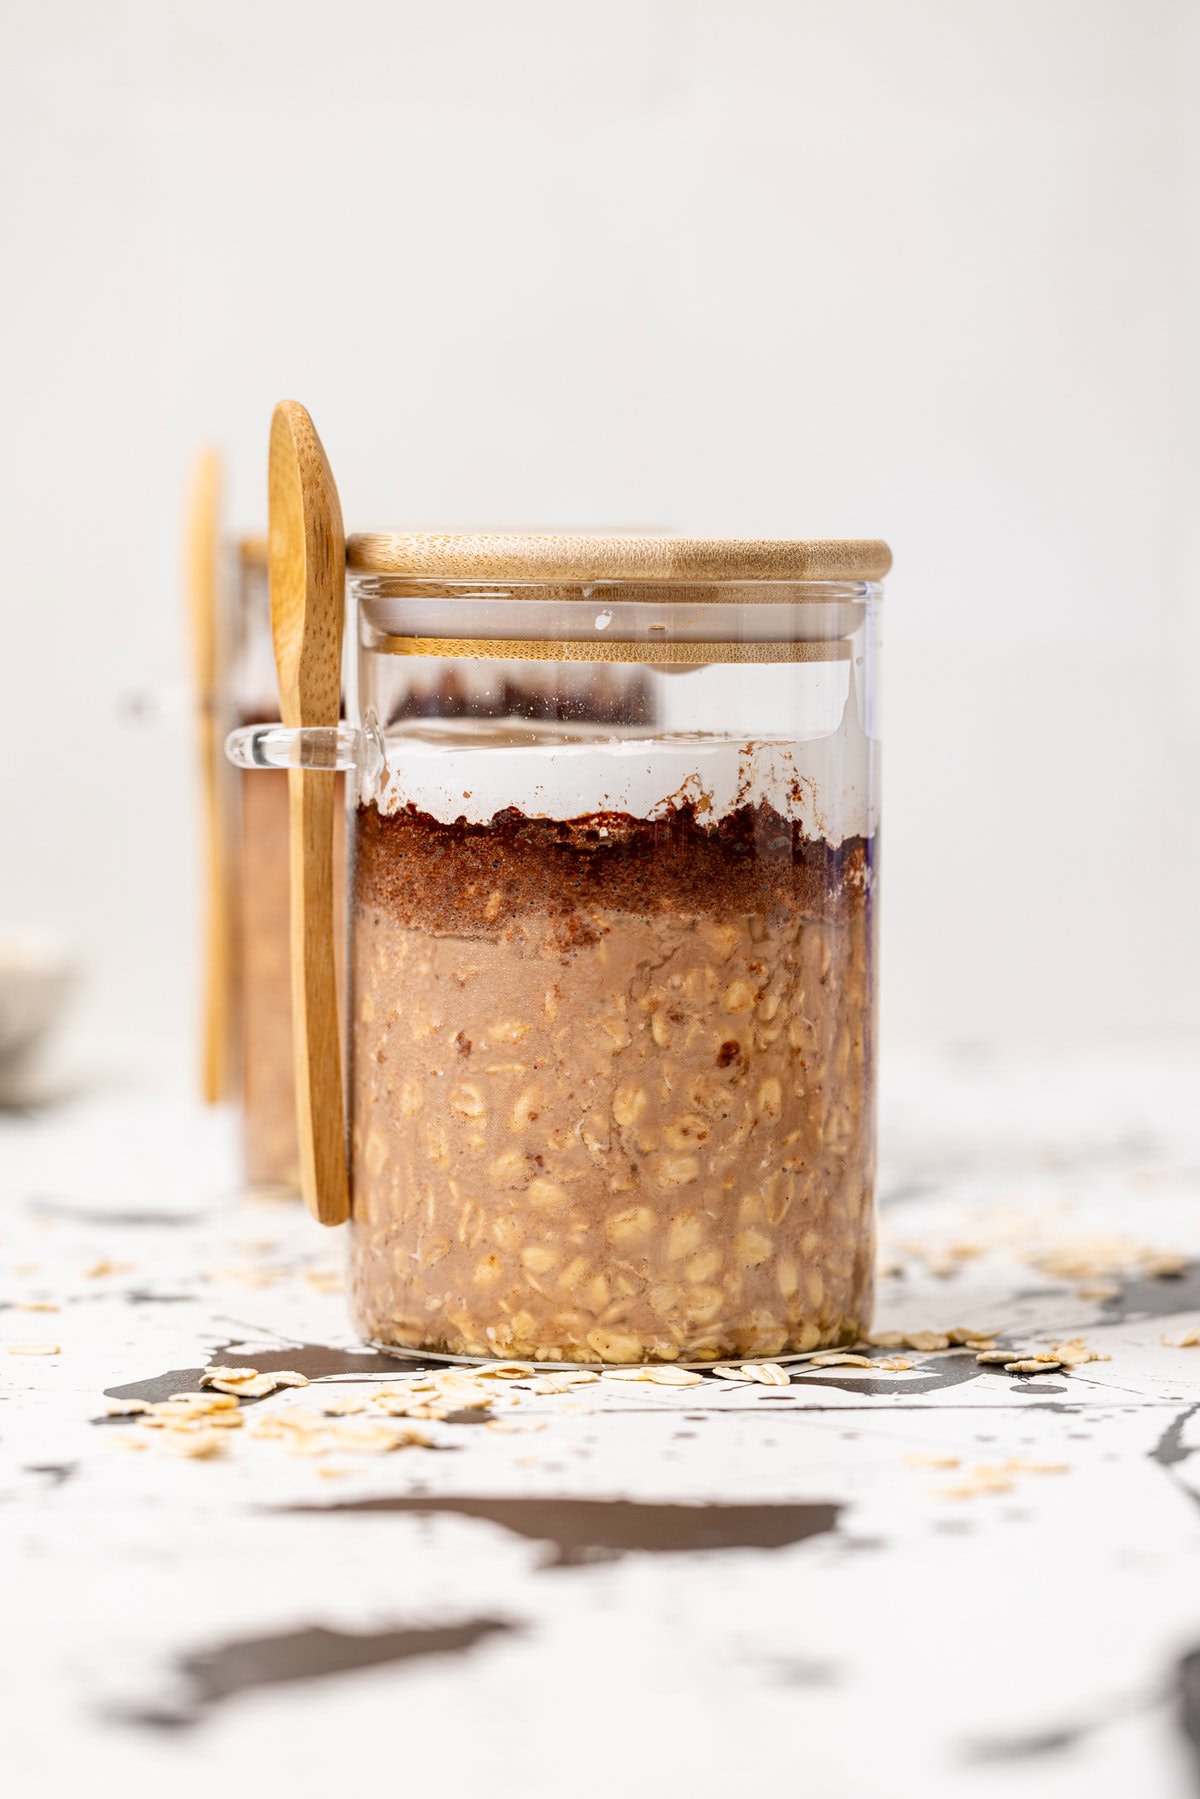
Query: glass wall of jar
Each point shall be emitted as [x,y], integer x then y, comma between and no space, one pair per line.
[612,927]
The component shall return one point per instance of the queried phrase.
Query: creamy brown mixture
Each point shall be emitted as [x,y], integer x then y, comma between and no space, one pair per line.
[271,1145]
[612,1088]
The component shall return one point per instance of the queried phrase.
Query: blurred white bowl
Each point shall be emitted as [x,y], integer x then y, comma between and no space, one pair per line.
[37,972]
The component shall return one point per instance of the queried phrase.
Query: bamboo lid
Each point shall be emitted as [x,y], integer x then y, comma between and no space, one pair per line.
[586,559]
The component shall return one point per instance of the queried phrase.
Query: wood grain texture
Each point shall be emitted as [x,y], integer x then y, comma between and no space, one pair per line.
[580,558]
[203,577]
[307,569]
[650,651]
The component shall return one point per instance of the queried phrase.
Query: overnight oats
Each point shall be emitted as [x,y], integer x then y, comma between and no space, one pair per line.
[607,1093]
[269,1137]
[612,1082]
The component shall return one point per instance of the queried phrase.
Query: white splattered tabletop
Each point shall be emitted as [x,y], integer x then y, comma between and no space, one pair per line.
[934,1577]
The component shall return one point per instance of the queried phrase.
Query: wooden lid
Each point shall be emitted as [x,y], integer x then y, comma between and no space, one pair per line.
[660,559]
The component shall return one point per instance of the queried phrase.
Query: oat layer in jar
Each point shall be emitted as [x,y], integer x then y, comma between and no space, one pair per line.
[612,927]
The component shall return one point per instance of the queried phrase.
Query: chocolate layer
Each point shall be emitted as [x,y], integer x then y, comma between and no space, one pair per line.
[468,879]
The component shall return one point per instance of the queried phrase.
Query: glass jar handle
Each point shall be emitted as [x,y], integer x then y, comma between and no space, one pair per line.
[308,746]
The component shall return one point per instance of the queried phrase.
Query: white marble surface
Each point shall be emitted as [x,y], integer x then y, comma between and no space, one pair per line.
[1022,1641]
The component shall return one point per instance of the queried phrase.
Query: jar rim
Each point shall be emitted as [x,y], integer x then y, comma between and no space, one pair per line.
[579,558]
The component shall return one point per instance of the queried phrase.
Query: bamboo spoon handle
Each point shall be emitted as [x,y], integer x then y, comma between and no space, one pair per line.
[203,532]
[307,555]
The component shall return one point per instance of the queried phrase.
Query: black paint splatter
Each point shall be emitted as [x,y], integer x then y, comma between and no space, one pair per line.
[1155,1296]
[1189,1703]
[211,1676]
[316,1360]
[73,1214]
[934,1377]
[1011,1749]
[580,1531]
[56,1472]
[1169,1449]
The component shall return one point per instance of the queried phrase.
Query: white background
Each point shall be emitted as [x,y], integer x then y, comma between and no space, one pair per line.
[923,269]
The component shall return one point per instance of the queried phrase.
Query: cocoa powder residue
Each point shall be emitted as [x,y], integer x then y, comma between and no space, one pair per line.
[478,879]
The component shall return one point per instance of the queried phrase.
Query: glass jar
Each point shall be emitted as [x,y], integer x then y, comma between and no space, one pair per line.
[262,961]
[612,928]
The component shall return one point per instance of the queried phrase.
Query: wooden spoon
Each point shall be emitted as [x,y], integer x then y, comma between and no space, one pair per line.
[307,557]
[203,535]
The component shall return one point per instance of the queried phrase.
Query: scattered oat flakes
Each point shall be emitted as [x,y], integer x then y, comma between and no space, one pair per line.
[1020,1464]
[125,1408]
[343,1405]
[407,1390]
[505,1371]
[419,1406]
[979,1480]
[99,1269]
[886,1340]
[378,1439]
[563,1382]
[1105,1254]
[294,1421]
[1098,1290]
[257,1387]
[738,1374]
[1076,1353]
[332,1470]
[1162,1265]
[188,1409]
[1182,1339]
[961,1335]
[36,1305]
[287,1377]
[1033,1365]
[325,1280]
[209,1375]
[995,1357]
[195,1442]
[930,1458]
[943,1259]
[33,1348]
[247,1277]
[306,1442]
[894,1364]
[468,1393]
[767,1374]
[926,1341]
[842,1358]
